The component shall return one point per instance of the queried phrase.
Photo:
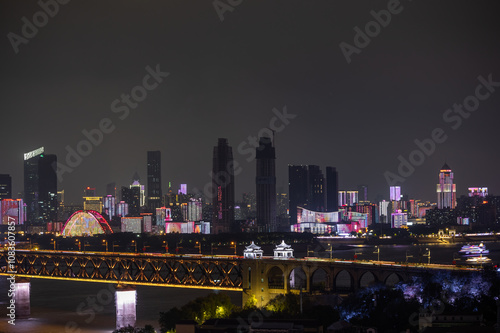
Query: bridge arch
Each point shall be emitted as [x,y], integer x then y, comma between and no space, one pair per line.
[367,279]
[276,278]
[297,279]
[319,279]
[344,281]
[393,279]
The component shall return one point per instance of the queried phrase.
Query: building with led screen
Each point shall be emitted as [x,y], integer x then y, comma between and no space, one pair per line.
[86,223]
[341,222]
[12,211]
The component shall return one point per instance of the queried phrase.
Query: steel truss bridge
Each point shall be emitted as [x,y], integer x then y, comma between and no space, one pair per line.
[201,272]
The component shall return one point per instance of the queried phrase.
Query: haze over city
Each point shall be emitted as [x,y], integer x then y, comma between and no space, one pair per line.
[226,77]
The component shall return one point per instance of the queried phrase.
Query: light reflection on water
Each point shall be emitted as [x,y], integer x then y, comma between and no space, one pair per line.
[55,303]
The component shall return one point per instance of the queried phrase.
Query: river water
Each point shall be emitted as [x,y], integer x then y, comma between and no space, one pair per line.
[61,306]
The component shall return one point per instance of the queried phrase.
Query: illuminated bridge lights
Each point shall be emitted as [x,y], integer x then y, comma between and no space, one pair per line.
[206,273]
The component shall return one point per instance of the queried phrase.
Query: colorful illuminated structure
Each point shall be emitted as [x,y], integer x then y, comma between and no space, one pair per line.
[12,210]
[342,222]
[86,223]
[478,191]
[446,190]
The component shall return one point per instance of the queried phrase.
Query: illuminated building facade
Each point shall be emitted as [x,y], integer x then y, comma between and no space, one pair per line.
[121,209]
[132,196]
[446,189]
[347,198]
[195,210]
[183,189]
[12,210]
[163,214]
[342,221]
[5,187]
[265,182]
[40,186]
[93,203]
[154,180]
[109,206]
[399,219]
[222,187]
[478,192]
[395,193]
[132,224]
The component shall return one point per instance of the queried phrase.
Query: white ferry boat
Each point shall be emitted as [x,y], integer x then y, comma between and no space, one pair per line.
[474,250]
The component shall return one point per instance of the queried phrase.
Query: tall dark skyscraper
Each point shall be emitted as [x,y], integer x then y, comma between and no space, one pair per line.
[222,188]
[5,187]
[266,185]
[40,186]
[132,196]
[154,180]
[316,189]
[332,189]
[297,188]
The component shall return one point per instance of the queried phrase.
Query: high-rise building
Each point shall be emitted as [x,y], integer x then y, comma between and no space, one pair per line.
[332,189]
[11,211]
[195,209]
[109,206]
[89,192]
[363,193]
[348,198]
[182,189]
[446,189]
[111,189]
[395,193]
[132,196]
[121,209]
[297,189]
[140,188]
[93,203]
[265,182]
[40,186]
[154,180]
[316,195]
[5,187]
[223,187]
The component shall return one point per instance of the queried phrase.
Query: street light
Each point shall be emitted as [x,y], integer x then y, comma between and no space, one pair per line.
[428,255]
[52,240]
[105,241]
[233,244]
[198,244]
[377,252]
[135,244]
[331,250]
[165,244]
[114,246]
[79,244]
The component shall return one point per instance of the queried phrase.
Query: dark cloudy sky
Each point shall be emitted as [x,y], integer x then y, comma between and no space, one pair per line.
[227,76]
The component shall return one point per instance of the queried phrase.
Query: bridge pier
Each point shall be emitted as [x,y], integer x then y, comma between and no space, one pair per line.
[125,306]
[22,298]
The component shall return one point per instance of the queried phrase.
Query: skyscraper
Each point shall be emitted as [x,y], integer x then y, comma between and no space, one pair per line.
[5,187]
[222,187]
[395,193]
[132,196]
[297,189]
[332,189]
[265,182]
[40,186]
[154,180]
[316,189]
[47,197]
[446,190]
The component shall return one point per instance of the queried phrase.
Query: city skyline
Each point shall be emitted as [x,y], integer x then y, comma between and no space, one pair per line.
[206,78]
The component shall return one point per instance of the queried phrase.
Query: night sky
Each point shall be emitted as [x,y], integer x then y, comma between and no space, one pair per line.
[226,77]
